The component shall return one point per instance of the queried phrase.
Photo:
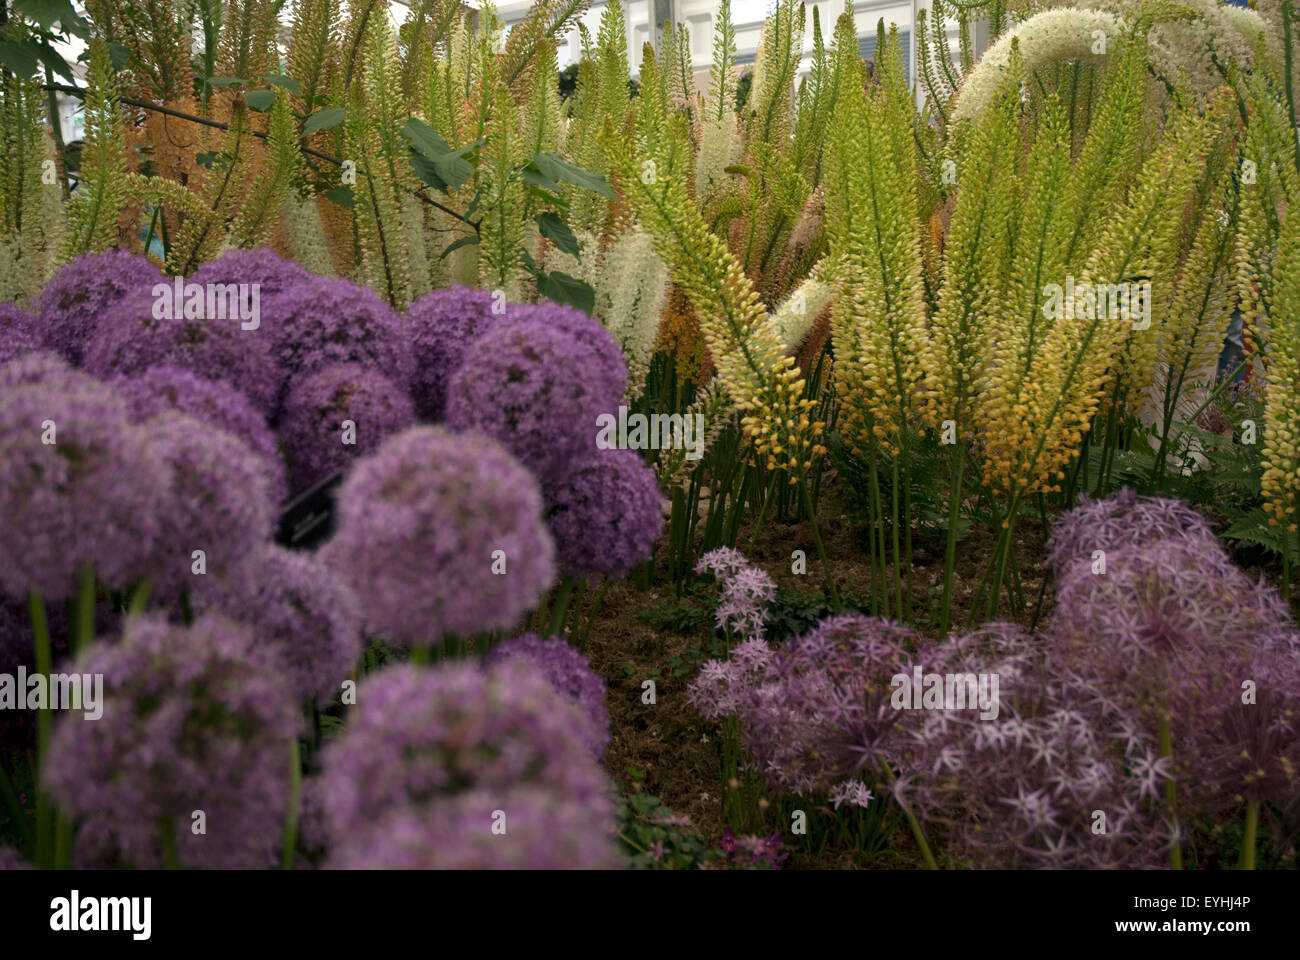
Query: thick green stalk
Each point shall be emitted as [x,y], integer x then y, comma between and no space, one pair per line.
[44,723]
[950,551]
[291,811]
[1248,836]
[1171,794]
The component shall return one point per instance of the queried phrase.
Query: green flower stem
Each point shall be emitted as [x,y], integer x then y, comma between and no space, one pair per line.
[1248,837]
[291,812]
[44,723]
[561,610]
[950,552]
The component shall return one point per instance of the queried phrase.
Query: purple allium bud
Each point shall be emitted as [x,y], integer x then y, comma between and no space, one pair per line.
[327,320]
[570,673]
[17,333]
[33,367]
[219,501]
[301,612]
[74,303]
[1122,520]
[194,719]
[219,404]
[1060,777]
[442,325]
[537,389]
[78,484]
[441,533]
[420,738]
[130,340]
[606,515]
[321,402]
[543,830]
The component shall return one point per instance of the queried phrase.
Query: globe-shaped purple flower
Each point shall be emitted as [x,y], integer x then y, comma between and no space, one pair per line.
[194,719]
[163,388]
[441,533]
[570,673]
[524,828]
[421,737]
[608,370]
[314,423]
[17,333]
[606,515]
[78,484]
[327,320]
[1124,519]
[264,267]
[538,389]
[131,339]
[442,325]
[219,501]
[77,298]
[301,613]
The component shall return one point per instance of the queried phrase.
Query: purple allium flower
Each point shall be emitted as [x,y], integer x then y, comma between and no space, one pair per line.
[818,711]
[301,612]
[219,501]
[606,515]
[570,673]
[264,267]
[17,333]
[194,719]
[327,320]
[442,325]
[544,830]
[1124,519]
[421,738]
[130,340]
[852,792]
[78,297]
[318,404]
[10,860]
[746,591]
[212,401]
[539,390]
[426,524]
[608,370]
[31,368]
[1025,788]
[1175,633]
[78,484]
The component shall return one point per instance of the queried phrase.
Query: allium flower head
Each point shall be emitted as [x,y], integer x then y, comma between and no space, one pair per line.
[570,673]
[317,407]
[17,333]
[300,612]
[193,719]
[78,484]
[442,325]
[1121,520]
[544,830]
[537,388]
[130,340]
[746,591]
[607,370]
[219,500]
[423,738]
[219,404]
[264,267]
[327,320]
[420,524]
[77,299]
[606,515]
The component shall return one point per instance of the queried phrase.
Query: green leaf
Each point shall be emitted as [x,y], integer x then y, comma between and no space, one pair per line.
[427,171]
[21,58]
[342,196]
[51,58]
[563,288]
[457,244]
[46,12]
[532,175]
[424,139]
[324,120]
[260,100]
[558,232]
[285,83]
[554,167]
[119,55]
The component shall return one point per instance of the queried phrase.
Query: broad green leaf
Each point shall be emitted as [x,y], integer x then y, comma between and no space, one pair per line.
[563,288]
[554,167]
[323,120]
[18,57]
[558,232]
[286,83]
[342,196]
[260,100]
